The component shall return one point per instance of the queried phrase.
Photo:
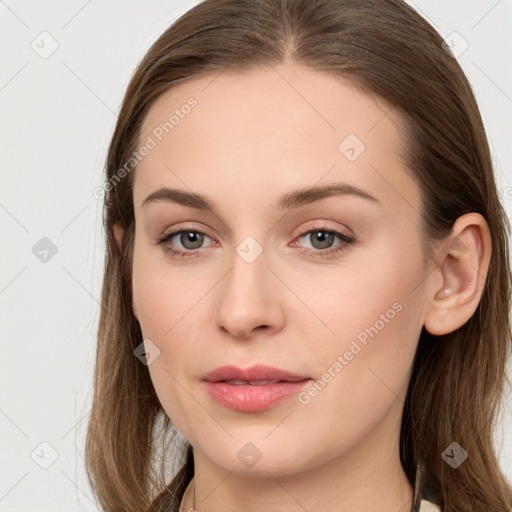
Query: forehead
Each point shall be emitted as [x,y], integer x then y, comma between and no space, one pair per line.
[283,125]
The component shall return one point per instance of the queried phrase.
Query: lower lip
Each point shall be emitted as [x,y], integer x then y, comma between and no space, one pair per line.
[249,398]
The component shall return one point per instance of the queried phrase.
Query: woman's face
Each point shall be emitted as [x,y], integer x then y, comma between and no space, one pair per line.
[266,279]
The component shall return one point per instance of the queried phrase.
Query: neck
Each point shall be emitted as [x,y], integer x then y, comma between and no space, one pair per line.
[368,478]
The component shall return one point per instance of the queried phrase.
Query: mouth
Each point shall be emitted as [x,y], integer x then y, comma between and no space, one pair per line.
[253,382]
[259,374]
[253,389]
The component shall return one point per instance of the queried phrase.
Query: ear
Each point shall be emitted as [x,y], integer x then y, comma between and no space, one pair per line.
[118,234]
[456,286]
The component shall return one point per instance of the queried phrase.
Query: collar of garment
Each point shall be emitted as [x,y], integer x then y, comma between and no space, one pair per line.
[427,492]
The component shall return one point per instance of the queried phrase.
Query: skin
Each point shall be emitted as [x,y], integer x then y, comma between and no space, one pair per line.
[253,137]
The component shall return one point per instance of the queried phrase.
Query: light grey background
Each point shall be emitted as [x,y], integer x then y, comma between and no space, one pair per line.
[57,115]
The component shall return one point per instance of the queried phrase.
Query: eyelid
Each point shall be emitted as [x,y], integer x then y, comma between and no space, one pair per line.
[189,227]
[323,225]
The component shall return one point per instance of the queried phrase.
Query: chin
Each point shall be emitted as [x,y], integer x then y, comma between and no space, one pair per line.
[252,456]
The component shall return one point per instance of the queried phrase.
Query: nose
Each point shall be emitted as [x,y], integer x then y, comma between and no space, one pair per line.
[250,299]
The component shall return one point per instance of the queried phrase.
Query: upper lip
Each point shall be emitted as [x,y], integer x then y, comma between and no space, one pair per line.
[254,373]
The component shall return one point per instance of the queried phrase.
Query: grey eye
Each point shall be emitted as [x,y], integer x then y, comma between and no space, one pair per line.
[321,239]
[191,239]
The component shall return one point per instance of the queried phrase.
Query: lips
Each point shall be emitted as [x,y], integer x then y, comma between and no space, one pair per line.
[252,389]
[255,375]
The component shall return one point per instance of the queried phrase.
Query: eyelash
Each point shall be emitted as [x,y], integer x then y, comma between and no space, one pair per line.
[313,252]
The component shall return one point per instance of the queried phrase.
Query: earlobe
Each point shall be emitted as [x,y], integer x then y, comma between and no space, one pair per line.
[118,234]
[463,267]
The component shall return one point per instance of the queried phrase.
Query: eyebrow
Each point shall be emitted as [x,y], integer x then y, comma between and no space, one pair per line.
[289,200]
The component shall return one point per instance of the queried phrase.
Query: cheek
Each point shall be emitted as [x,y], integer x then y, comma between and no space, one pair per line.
[374,313]
[169,306]
[167,318]
[373,293]
[165,295]
[363,372]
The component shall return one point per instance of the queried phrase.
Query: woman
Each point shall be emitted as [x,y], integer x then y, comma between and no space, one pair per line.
[307,286]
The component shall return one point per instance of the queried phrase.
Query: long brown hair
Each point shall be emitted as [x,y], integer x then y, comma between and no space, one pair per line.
[388,50]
